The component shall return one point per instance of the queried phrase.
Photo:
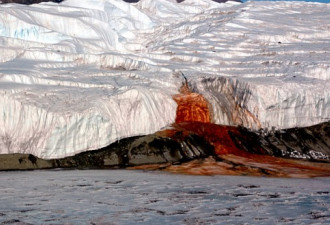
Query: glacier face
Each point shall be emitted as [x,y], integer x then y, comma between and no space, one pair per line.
[79,75]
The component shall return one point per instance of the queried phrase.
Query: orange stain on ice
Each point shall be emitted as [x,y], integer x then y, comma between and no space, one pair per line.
[192,107]
[194,116]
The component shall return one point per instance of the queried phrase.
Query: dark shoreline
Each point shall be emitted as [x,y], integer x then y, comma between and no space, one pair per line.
[310,144]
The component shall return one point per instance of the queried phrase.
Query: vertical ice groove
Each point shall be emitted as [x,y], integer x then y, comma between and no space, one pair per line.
[23,128]
[239,103]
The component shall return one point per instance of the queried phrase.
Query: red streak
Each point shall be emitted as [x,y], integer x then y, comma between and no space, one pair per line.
[192,107]
[193,116]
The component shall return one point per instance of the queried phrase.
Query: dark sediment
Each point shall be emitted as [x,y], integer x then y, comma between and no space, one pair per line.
[23,162]
[132,151]
[303,143]
[182,143]
[142,150]
[28,2]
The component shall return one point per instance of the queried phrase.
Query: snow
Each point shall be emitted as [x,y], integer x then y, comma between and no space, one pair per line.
[80,75]
[127,197]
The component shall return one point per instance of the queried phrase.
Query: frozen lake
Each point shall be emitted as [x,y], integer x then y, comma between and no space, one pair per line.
[138,197]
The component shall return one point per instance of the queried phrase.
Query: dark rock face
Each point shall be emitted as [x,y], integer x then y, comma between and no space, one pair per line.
[134,151]
[28,2]
[24,162]
[142,150]
[131,1]
[184,143]
[304,143]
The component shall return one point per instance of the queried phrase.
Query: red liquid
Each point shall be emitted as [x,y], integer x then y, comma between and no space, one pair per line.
[193,116]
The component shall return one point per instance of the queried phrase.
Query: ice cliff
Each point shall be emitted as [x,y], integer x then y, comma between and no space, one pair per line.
[80,75]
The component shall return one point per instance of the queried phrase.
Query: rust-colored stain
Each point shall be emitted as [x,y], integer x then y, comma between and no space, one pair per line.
[256,166]
[232,160]
[216,135]
[194,117]
[192,107]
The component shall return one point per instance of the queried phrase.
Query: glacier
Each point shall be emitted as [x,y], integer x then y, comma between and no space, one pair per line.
[78,76]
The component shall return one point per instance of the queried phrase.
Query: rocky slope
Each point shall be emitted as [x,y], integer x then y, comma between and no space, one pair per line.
[217,149]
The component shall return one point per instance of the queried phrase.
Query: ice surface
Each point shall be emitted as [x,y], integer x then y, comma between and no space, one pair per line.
[82,74]
[135,197]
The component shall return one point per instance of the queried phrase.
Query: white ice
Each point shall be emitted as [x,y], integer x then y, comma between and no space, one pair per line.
[80,75]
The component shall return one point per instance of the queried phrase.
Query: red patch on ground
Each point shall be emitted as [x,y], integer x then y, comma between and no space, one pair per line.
[193,116]
[216,135]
